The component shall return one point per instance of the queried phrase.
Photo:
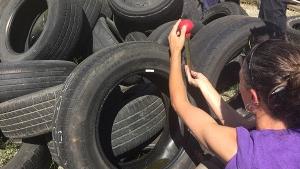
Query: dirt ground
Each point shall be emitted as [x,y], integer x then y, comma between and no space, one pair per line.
[252,10]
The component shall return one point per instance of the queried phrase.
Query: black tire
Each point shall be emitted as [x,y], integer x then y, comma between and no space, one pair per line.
[92,10]
[3,4]
[21,78]
[112,26]
[146,15]
[135,36]
[220,10]
[92,92]
[232,35]
[29,115]
[160,34]
[293,29]
[58,39]
[129,131]
[30,156]
[53,152]
[36,30]
[222,41]
[105,9]
[102,36]
[84,46]
[191,10]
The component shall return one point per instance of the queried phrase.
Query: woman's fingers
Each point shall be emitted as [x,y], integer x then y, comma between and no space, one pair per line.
[188,73]
[176,39]
[194,74]
[174,30]
[182,33]
[178,33]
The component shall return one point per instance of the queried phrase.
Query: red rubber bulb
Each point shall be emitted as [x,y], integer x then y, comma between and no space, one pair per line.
[189,26]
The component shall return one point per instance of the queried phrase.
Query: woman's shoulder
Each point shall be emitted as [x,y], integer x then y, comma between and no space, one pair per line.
[268,137]
[245,146]
[269,133]
[258,147]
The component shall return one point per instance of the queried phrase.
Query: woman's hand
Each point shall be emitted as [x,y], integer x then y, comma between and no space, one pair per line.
[176,39]
[194,78]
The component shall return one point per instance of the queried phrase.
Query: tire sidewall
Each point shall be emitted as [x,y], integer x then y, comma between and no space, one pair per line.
[30,156]
[146,20]
[225,8]
[52,29]
[292,33]
[160,34]
[97,86]
[102,35]
[211,57]
[125,10]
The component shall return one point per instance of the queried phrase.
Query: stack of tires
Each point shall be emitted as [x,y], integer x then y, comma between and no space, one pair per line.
[112,110]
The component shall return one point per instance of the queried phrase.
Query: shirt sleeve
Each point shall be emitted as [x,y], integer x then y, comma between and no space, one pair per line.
[244,155]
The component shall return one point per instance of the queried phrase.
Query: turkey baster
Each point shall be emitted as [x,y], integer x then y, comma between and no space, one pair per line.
[189,26]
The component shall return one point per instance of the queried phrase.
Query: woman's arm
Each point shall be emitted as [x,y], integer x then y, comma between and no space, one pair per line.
[220,139]
[225,113]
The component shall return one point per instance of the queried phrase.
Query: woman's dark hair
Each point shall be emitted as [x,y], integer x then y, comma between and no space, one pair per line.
[272,68]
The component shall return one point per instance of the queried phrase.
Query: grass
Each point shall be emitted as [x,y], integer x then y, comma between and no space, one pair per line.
[230,93]
[8,150]
[54,166]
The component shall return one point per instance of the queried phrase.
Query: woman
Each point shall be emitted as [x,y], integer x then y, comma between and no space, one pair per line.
[270,88]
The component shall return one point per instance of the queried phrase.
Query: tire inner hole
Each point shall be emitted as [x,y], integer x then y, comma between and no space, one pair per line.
[141,112]
[27,24]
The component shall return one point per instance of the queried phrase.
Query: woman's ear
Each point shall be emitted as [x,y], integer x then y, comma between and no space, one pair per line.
[254,102]
[254,97]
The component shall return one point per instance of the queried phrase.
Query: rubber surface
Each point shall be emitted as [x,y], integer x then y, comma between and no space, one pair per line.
[142,117]
[135,36]
[53,152]
[192,10]
[146,15]
[293,29]
[105,9]
[220,10]
[233,36]
[92,10]
[30,156]
[86,95]
[102,36]
[3,4]
[29,115]
[58,39]
[112,26]
[21,78]
[222,40]
[140,109]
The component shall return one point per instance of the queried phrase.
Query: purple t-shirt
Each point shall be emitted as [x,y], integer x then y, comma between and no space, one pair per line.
[266,149]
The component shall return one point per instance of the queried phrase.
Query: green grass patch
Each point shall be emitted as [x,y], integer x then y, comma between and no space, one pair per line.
[8,150]
[230,93]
